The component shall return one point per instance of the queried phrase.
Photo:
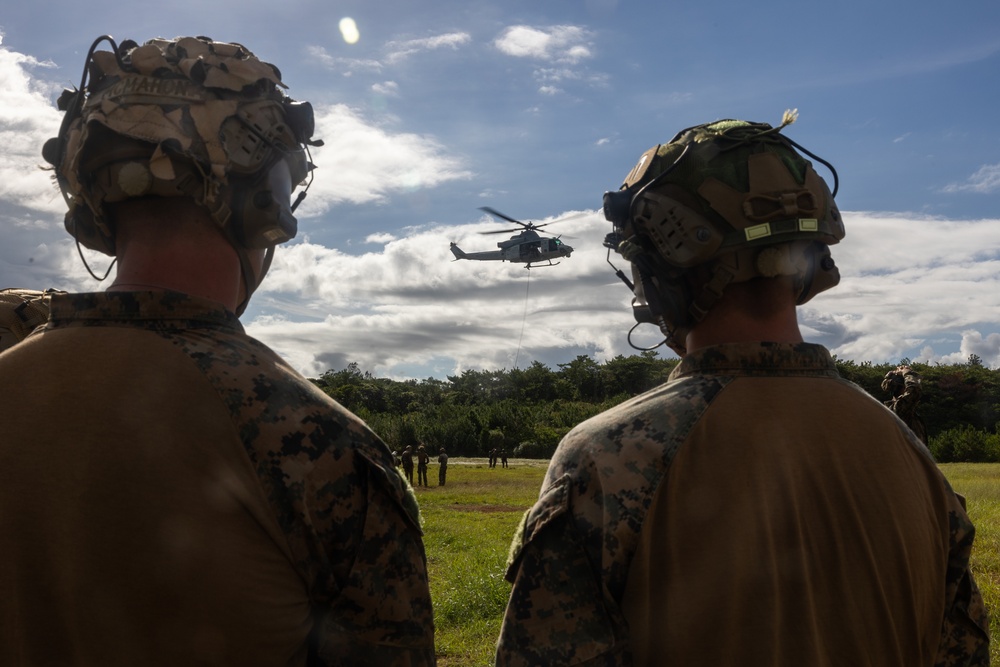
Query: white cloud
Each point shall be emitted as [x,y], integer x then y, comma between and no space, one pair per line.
[387,88]
[394,53]
[907,281]
[984,181]
[912,287]
[361,162]
[27,119]
[410,303]
[973,342]
[397,51]
[345,66]
[561,44]
[382,237]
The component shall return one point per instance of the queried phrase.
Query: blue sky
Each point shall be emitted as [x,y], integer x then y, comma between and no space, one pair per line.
[536,108]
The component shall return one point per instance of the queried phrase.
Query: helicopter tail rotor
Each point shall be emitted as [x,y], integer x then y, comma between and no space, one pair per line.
[457,252]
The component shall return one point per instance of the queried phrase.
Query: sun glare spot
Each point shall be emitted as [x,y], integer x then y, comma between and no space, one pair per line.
[349,30]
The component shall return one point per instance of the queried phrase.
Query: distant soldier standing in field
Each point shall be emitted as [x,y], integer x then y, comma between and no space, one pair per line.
[408,463]
[903,384]
[442,466]
[503,457]
[423,458]
[756,509]
[171,491]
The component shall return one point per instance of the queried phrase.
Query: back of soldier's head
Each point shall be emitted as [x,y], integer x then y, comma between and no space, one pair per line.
[722,203]
[188,117]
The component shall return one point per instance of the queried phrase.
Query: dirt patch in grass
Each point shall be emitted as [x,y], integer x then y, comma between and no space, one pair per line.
[486,509]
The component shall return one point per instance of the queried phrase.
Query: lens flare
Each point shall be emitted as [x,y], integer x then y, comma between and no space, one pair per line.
[349,30]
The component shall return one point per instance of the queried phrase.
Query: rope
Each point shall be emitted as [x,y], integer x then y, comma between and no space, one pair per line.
[524,319]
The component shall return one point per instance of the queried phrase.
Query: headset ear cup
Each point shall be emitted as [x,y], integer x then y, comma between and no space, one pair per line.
[259,221]
[821,275]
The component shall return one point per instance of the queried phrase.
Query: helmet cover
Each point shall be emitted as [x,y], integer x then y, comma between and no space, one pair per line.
[183,117]
[21,311]
[724,202]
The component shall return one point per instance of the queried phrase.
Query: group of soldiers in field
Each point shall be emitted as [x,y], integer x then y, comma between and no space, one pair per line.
[498,454]
[404,459]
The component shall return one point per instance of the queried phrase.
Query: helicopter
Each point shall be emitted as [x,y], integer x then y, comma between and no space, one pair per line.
[526,247]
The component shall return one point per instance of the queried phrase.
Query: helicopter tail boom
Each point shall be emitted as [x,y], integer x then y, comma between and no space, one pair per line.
[457,252]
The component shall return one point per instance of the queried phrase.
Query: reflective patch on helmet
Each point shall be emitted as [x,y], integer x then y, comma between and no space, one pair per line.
[808,225]
[758,231]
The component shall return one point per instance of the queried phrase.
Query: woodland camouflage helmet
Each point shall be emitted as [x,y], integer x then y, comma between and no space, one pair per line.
[188,117]
[721,203]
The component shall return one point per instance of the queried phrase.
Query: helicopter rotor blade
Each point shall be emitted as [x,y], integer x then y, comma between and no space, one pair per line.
[564,219]
[505,231]
[493,211]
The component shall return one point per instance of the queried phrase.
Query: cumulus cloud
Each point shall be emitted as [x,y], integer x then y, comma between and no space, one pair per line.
[984,181]
[907,283]
[560,50]
[561,43]
[362,162]
[916,287]
[411,303]
[27,119]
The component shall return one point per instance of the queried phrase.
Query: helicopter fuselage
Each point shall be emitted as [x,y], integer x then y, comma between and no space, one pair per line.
[528,247]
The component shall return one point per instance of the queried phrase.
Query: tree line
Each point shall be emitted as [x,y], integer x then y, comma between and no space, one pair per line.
[528,411]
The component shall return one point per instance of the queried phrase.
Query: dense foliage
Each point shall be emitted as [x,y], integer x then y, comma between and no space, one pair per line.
[527,411]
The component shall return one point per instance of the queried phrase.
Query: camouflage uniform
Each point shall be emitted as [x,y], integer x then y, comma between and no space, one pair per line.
[221,510]
[903,386]
[734,516]
[408,464]
[442,467]
[422,460]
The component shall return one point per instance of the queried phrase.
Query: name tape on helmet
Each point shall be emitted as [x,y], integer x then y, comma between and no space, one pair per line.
[175,89]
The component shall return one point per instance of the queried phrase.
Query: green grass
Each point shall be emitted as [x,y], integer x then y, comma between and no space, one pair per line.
[469,523]
[980,484]
[468,526]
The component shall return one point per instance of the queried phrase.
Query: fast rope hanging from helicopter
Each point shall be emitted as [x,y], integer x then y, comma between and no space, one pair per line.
[524,318]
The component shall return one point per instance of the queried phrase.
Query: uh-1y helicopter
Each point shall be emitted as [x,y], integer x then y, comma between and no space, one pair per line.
[527,246]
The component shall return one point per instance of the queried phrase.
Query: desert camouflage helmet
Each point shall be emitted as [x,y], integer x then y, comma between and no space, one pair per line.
[21,311]
[187,117]
[723,202]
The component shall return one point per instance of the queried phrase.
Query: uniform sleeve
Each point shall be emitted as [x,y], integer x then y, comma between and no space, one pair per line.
[965,631]
[558,612]
[374,607]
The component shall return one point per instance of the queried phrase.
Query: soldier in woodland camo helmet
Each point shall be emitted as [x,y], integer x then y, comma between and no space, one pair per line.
[721,203]
[756,509]
[172,492]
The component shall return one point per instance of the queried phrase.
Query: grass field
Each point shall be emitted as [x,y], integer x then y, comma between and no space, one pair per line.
[469,522]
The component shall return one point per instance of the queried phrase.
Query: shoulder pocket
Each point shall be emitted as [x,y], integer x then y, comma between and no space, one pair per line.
[559,612]
[393,485]
[549,507]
